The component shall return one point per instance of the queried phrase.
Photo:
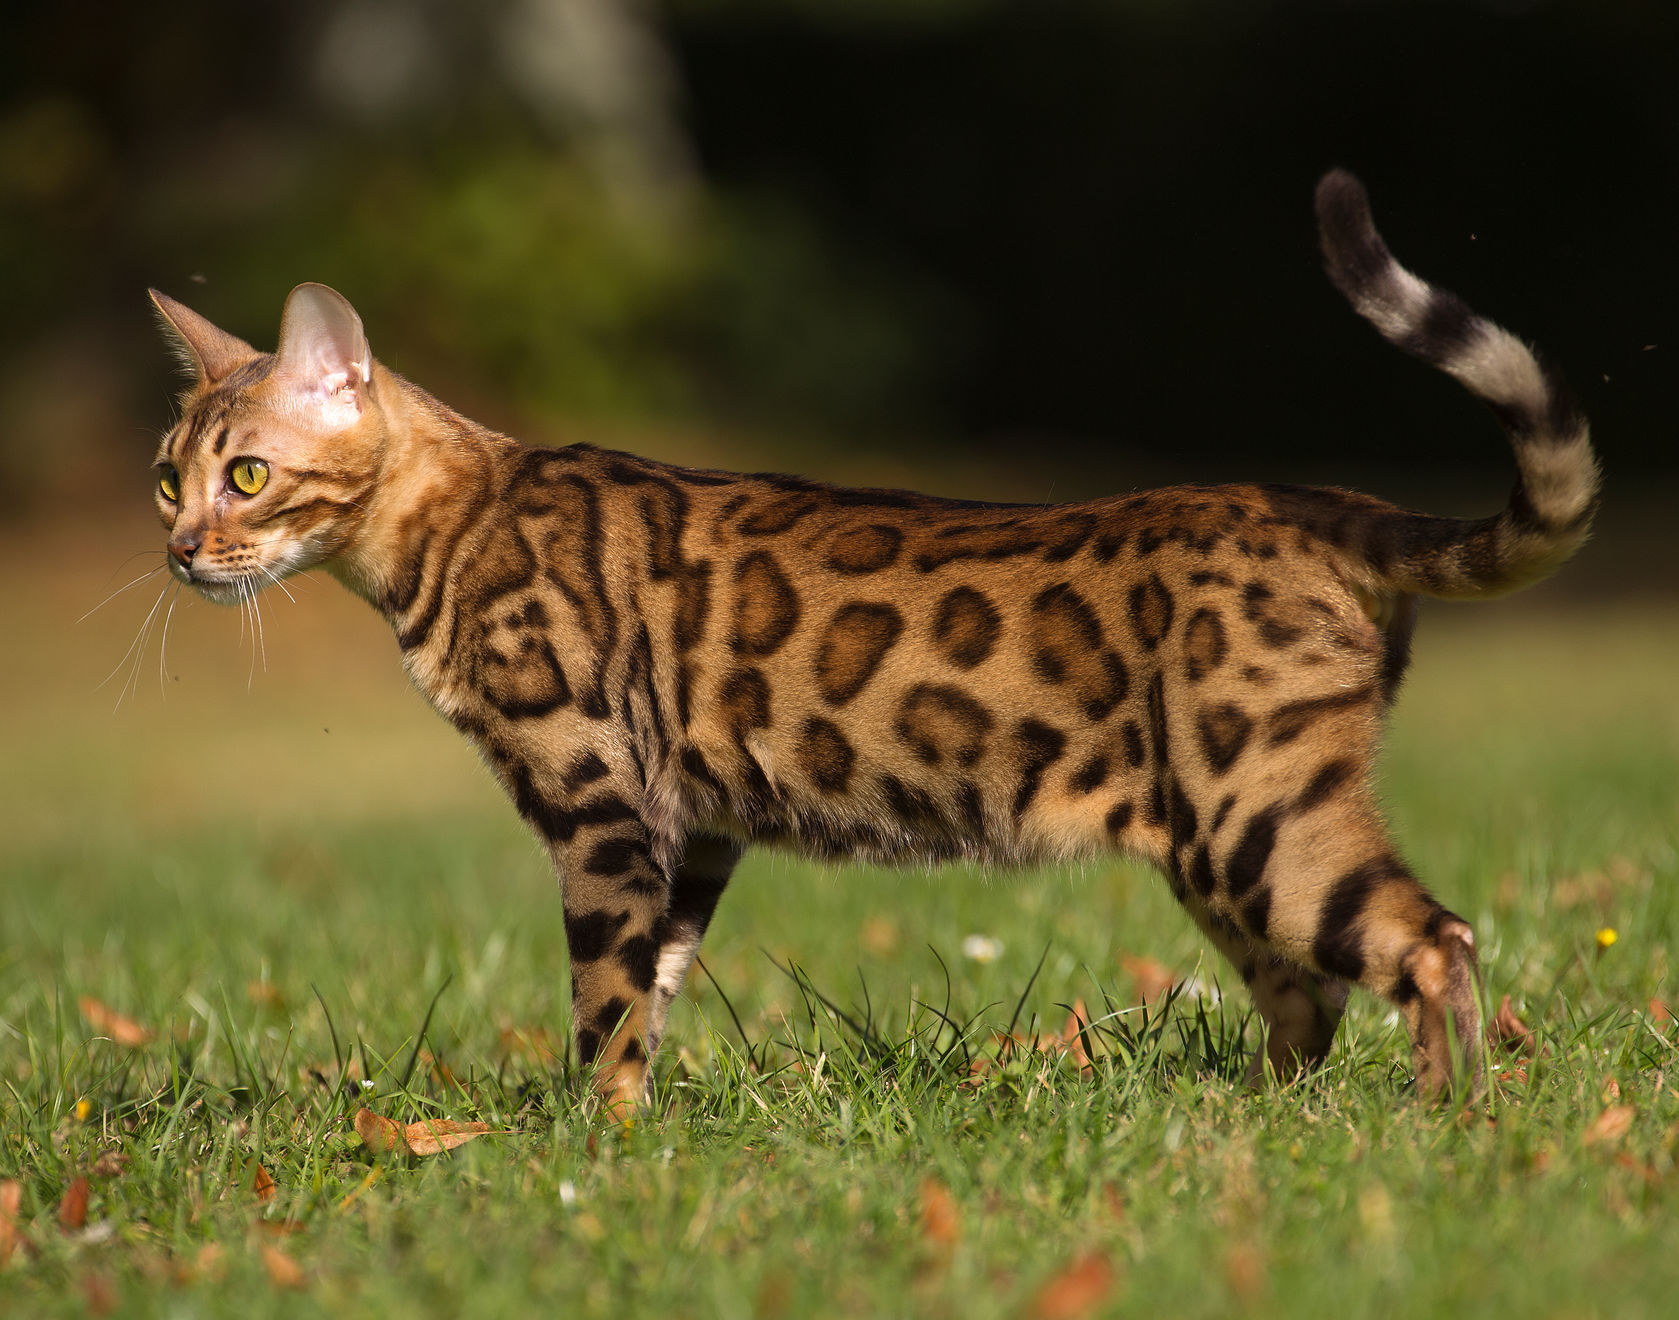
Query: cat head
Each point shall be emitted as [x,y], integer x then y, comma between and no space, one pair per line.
[275,456]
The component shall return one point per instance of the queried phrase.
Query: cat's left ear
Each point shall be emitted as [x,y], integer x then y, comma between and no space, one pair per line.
[323,351]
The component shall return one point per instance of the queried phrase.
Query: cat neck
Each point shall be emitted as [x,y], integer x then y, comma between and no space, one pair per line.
[436,471]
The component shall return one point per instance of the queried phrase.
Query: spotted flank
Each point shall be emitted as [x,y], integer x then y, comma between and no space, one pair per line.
[666,665]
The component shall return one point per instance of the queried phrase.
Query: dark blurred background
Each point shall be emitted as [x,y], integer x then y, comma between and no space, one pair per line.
[1040,250]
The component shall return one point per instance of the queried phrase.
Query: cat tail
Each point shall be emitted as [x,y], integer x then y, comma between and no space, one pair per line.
[1550,511]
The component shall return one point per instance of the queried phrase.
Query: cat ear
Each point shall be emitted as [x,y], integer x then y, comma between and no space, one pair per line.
[323,351]
[206,351]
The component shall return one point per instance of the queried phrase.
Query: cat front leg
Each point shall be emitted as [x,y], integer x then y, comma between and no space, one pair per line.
[617,916]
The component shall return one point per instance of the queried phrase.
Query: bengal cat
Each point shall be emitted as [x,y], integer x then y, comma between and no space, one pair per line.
[663,665]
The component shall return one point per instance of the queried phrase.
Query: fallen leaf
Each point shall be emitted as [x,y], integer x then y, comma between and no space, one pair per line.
[206,1264]
[1068,1043]
[1509,1030]
[427,1137]
[880,935]
[1077,1291]
[11,1197]
[1244,1269]
[1611,1090]
[110,1164]
[262,1183]
[1611,1125]
[1072,1036]
[433,1135]
[283,1271]
[99,1292]
[378,1134]
[1152,977]
[265,994]
[72,1210]
[1660,1012]
[1645,1171]
[941,1222]
[107,1022]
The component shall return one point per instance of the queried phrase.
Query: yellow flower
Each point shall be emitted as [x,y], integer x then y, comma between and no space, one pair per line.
[83,1108]
[1606,937]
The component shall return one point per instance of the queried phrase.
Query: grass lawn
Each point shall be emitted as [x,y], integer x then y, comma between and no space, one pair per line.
[278,875]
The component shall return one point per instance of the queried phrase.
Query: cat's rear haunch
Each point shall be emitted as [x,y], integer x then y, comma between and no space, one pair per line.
[663,665]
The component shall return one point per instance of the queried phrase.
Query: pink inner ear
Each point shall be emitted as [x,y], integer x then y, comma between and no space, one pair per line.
[322,344]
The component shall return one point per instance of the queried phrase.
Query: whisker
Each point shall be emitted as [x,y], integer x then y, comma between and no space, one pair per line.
[163,646]
[244,610]
[125,586]
[131,681]
[120,663]
[272,577]
[262,634]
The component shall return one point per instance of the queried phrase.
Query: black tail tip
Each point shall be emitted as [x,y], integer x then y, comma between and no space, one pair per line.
[1343,206]
[1352,249]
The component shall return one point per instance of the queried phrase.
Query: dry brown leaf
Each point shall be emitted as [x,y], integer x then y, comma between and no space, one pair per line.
[1660,1013]
[1076,1291]
[1509,1030]
[1244,1268]
[11,1197]
[262,1183]
[265,994]
[1611,1125]
[1611,1090]
[941,1222]
[99,1293]
[378,1134]
[1072,1036]
[1645,1171]
[108,1022]
[72,1210]
[110,1164]
[1068,1043]
[428,1137]
[1152,977]
[208,1261]
[432,1135]
[283,1271]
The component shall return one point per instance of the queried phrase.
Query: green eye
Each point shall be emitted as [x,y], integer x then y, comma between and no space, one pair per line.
[249,475]
[169,482]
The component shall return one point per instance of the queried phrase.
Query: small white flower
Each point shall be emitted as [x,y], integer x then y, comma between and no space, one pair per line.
[367,1086]
[982,948]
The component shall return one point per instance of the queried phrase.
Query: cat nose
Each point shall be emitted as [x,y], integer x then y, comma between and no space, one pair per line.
[184,551]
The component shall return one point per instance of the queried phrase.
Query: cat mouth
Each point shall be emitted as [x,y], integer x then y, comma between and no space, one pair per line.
[221,588]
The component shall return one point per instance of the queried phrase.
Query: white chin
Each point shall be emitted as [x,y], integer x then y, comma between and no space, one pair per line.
[222,593]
